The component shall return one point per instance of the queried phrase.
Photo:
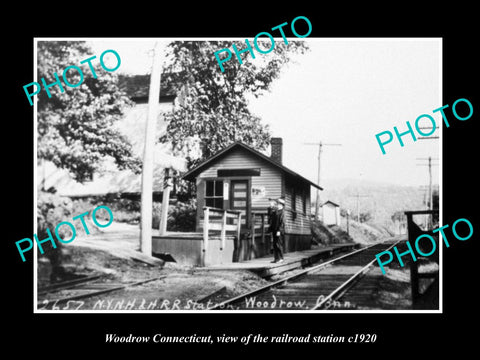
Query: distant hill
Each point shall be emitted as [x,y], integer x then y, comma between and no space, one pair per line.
[382,202]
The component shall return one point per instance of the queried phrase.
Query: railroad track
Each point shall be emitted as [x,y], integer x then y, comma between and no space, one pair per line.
[318,287]
[52,296]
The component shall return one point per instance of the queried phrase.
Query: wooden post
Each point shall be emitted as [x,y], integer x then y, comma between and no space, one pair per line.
[263,228]
[252,238]
[430,198]
[348,216]
[239,226]
[148,153]
[414,283]
[165,203]
[239,232]
[206,219]
[317,199]
[358,208]
[224,230]
[237,243]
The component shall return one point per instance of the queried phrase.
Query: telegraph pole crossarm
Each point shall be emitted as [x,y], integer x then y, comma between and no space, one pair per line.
[428,137]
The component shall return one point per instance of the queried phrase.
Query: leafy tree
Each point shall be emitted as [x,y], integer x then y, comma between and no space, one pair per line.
[51,210]
[365,216]
[212,107]
[75,129]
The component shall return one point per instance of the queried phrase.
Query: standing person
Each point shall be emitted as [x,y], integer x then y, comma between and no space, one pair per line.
[277,228]
[272,209]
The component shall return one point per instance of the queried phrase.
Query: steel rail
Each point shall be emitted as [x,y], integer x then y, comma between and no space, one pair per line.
[68,284]
[347,285]
[285,280]
[103,291]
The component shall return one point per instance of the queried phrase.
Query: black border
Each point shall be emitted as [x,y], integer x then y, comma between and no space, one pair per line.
[84,333]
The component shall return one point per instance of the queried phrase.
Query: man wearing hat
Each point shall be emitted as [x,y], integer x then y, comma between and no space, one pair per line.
[277,228]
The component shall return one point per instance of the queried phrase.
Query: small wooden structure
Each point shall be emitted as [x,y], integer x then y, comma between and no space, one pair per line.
[331,213]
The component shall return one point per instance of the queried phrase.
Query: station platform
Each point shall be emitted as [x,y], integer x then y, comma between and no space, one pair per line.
[264,267]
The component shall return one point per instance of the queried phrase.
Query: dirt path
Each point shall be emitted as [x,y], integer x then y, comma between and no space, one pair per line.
[114,252]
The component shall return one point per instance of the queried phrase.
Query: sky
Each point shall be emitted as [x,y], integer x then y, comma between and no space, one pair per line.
[343,91]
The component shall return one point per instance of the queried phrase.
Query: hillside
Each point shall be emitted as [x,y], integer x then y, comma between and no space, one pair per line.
[381,201]
[362,233]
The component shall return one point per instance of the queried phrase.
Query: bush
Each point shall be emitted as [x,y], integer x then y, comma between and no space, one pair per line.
[182,216]
[156,214]
[124,210]
[129,217]
[51,210]
[321,233]
[365,217]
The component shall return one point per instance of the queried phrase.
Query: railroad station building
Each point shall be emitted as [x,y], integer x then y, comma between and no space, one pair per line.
[241,180]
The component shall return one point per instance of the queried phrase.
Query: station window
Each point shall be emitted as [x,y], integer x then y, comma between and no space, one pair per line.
[294,199]
[294,203]
[214,193]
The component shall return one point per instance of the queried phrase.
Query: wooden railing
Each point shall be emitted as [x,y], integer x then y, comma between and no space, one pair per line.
[216,219]
[258,228]
[261,225]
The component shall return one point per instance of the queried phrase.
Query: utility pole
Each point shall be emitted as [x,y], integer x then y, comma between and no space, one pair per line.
[320,145]
[424,189]
[429,164]
[348,222]
[430,196]
[358,196]
[430,193]
[148,153]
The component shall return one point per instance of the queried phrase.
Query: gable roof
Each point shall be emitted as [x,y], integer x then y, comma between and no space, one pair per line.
[331,202]
[190,175]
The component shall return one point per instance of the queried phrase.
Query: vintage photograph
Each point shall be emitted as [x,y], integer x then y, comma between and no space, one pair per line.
[306,178]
